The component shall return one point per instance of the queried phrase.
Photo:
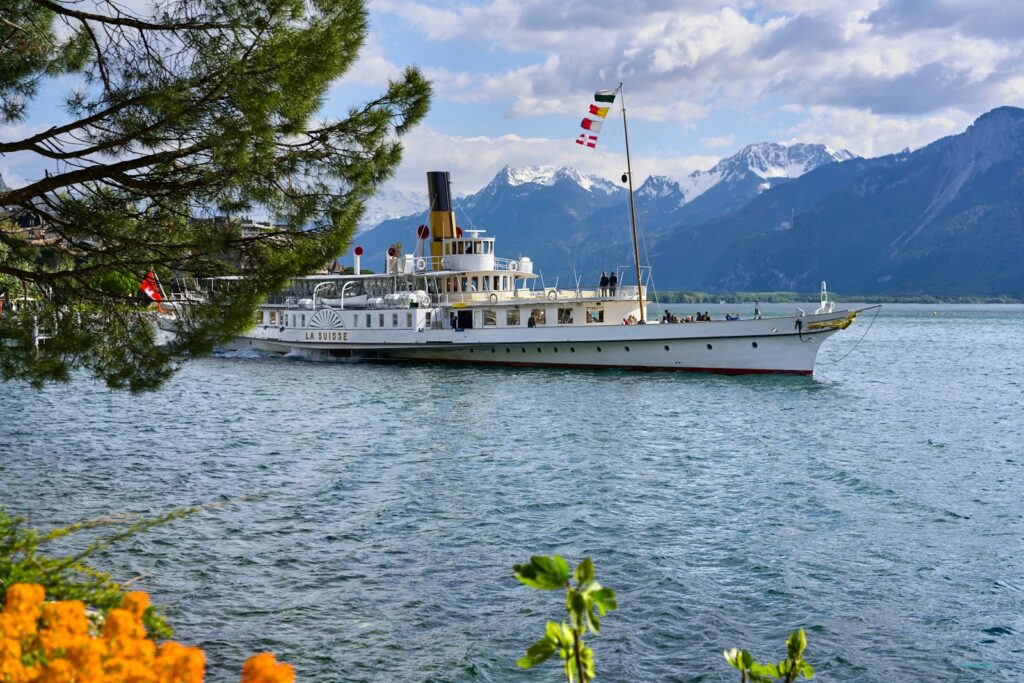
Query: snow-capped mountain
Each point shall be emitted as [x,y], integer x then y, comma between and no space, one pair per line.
[548,176]
[391,203]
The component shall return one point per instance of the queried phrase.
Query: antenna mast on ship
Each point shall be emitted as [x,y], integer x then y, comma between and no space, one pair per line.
[632,208]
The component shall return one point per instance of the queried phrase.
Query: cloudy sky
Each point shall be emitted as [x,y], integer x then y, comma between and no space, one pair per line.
[702,78]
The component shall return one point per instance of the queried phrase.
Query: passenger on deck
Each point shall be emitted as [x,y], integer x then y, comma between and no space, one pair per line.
[604,283]
[532,322]
[613,282]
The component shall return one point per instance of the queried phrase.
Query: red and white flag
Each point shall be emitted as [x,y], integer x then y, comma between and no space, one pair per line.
[603,100]
[149,287]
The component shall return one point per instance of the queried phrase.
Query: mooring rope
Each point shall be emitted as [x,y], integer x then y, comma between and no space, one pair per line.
[878,309]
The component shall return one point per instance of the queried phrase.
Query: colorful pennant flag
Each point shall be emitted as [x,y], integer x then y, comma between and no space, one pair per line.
[150,288]
[606,98]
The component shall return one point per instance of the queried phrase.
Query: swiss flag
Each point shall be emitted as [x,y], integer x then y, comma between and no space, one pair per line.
[149,287]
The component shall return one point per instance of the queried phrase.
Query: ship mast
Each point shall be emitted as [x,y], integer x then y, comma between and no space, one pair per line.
[632,208]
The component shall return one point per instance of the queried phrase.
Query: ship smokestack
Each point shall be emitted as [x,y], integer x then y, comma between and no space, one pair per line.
[442,217]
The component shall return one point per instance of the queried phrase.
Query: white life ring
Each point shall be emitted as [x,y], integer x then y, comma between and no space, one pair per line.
[421,263]
[444,263]
[552,295]
[493,298]
[513,266]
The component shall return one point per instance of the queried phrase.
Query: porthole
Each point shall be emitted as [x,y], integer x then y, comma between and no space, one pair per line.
[492,349]
[627,349]
[666,347]
[471,350]
[709,347]
[523,350]
[599,349]
[754,344]
[572,349]
[508,350]
[555,349]
[538,349]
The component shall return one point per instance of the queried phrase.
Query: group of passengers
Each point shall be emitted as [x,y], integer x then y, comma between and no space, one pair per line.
[698,317]
[608,283]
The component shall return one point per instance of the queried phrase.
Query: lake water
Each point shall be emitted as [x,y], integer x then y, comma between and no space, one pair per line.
[878,504]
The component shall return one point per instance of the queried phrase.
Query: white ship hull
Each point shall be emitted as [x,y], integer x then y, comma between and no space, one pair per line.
[771,345]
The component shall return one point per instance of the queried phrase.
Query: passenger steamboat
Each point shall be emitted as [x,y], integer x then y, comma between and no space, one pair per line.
[454,300]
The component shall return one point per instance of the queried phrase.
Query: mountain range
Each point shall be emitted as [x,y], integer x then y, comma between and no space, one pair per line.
[944,219]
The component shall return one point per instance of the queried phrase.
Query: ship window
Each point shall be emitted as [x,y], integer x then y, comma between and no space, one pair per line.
[273,317]
[512,316]
[497,282]
[486,281]
[490,317]
[460,248]
[394,320]
[303,319]
[539,316]
[355,320]
[427,319]
[469,247]
[565,316]
[504,283]
[380,321]
[369,320]
[474,284]
[465,284]
[595,315]
[754,344]
[408,320]
[709,347]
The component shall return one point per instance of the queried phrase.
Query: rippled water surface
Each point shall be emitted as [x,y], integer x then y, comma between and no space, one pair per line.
[878,503]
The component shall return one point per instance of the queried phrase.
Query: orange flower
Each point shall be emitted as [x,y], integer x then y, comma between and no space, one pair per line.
[57,635]
[136,602]
[264,668]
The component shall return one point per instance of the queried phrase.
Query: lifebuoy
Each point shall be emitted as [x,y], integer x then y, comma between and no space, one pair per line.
[445,263]
[513,265]
[552,295]
[493,298]
[421,263]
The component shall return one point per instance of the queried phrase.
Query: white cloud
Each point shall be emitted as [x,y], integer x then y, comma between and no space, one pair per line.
[869,135]
[692,57]
[719,142]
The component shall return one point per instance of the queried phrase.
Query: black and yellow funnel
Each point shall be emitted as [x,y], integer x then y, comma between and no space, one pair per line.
[442,217]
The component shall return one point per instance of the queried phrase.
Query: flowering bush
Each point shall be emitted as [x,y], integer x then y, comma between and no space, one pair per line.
[55,642]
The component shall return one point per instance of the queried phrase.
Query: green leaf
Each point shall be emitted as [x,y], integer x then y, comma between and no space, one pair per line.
[605,600]
[796,644]
[543,573]
[584,571]
[807,670]
[765,669]
[537,653]
[553,632]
